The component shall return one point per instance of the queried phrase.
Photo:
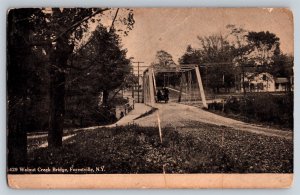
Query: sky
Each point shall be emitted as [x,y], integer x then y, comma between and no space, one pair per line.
[173,30]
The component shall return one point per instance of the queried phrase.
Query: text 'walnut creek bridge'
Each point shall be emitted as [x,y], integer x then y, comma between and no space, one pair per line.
[188,79]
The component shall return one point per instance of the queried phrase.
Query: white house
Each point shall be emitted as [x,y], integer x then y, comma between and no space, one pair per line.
[264,82]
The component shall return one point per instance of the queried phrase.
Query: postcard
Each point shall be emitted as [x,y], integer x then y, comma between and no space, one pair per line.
[150,98]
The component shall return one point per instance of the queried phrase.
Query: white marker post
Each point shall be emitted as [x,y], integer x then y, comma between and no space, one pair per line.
[159,127]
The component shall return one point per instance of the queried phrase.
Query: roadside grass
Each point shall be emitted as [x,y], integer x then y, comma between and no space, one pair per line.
[251,120]
[34,140]
[195,148]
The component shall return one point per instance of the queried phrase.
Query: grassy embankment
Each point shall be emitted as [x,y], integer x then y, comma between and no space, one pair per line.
[195,148]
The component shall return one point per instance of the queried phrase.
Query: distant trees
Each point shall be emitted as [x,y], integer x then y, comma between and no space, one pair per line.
[163,60]
[283,65]
[191,56]
[264,45]
[224,58]
[215,55]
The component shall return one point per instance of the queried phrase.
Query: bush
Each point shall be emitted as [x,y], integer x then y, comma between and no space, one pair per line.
[215,106]
[232,105]
[262,107]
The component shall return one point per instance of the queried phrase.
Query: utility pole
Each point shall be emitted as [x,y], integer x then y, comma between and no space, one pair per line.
[132,87]
[138,69]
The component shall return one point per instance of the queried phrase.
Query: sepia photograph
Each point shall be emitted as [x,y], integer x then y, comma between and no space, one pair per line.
[150,97]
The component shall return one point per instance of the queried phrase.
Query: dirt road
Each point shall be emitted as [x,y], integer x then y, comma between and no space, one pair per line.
[178,115]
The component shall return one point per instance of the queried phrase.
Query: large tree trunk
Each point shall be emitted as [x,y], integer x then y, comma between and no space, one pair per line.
[17,136]
[59,58]
[16,92]
[105,97]
[57,108]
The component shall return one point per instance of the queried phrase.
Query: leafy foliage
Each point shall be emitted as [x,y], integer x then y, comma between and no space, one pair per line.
[163,60]
[194,148]
[276,110]
[106,71]
[226,58]
[264,45]
[108,63]
[40,44]
[215,55]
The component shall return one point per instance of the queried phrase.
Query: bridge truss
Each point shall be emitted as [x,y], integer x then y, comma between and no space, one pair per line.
[149,86]
[188,73]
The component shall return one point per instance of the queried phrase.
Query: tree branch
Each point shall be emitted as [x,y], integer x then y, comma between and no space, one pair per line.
[74,26]
[111,27]
[112,24]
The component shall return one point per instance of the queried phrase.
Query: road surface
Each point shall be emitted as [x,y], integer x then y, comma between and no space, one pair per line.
[178,115]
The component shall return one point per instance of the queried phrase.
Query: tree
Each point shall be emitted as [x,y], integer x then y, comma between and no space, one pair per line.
[106,71]
[163,60]
[19,83]
[55,32]
[60,52]
[108,65]
[253,50]
[283,66]
[215,56]
[263,47]
[225,58]
[191,56]
[215,48]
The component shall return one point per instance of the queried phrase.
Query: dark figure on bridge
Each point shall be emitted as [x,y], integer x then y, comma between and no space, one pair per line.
[159,95]
[166,94]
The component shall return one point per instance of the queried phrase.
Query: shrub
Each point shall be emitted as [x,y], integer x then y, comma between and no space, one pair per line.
[232,105]
[262,107]
[265,108]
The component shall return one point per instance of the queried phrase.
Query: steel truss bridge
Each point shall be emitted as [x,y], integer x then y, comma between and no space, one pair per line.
[185,71]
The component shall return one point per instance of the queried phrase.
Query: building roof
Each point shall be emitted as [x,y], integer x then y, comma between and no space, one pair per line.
[281,80]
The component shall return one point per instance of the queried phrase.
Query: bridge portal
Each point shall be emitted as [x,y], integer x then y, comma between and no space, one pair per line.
[190,84]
